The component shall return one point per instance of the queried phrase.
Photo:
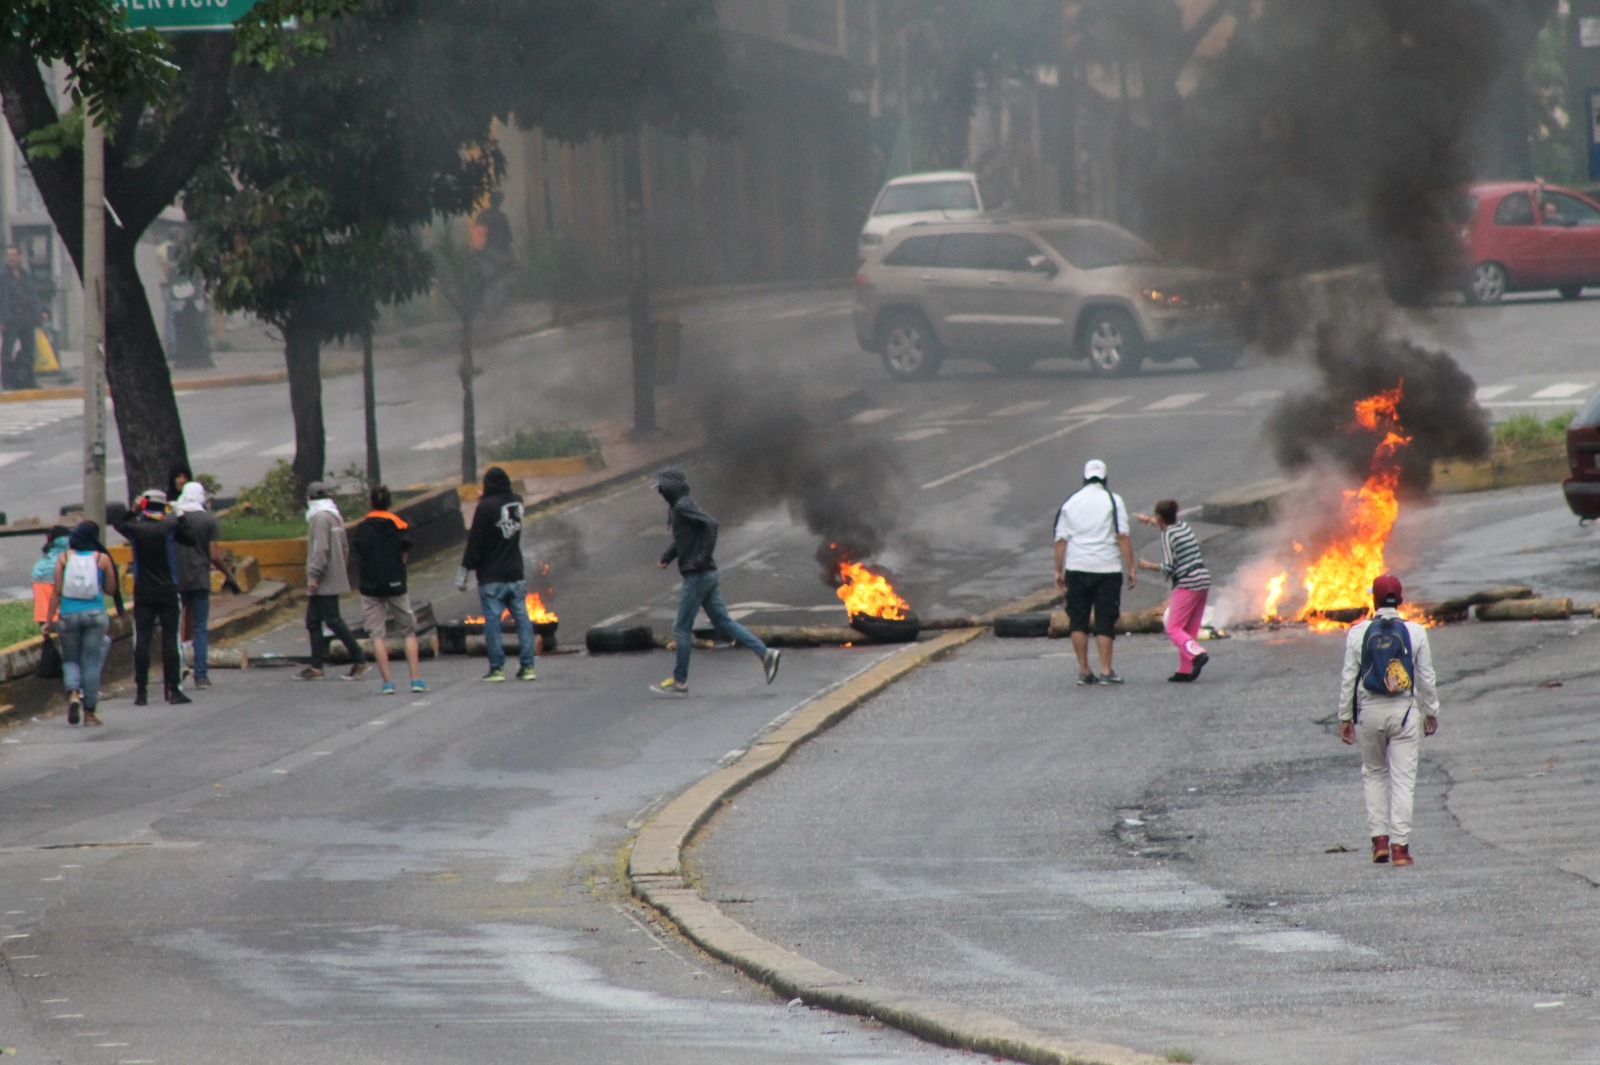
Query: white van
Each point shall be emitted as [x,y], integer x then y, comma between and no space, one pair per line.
[937,196]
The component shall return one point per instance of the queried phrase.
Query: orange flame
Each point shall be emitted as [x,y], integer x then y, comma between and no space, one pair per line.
[1340,578]
[537,613]
[865,592]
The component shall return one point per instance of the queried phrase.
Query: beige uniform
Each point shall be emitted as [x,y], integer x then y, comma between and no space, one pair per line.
[1390,728]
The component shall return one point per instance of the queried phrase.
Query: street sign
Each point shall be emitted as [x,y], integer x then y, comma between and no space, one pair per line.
[169,15]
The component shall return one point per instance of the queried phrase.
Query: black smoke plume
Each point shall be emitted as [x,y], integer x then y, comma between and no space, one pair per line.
[1437,407]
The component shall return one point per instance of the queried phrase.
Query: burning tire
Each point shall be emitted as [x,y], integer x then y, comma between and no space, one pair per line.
[1488,284]
[886,630]
[1022,626]
[1110,340]
[910,350]
[617,639]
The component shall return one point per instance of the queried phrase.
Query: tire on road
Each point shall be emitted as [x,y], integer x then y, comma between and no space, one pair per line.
[1109,338]
[1022,626]
[616,639]
[909,350]
[1488,284]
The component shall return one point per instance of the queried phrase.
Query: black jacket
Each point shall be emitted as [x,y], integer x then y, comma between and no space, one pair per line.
[694,532]
[155,560]
[494,543]
[381,541]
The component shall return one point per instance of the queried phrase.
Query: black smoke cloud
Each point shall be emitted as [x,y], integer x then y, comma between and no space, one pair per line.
[1437,407]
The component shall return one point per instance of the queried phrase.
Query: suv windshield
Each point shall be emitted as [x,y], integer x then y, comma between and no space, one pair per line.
[1091,246]
[927,196]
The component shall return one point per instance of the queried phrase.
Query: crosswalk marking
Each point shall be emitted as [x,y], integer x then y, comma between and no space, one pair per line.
[217,451]
[920,434]
[8,457]
[1097,407]
[279,452]
[1256,399]
[939,414]
[1565,390]
[1491,391]
[1016,410]
[867,417]
[19,418]
[438,443]
[1182,399]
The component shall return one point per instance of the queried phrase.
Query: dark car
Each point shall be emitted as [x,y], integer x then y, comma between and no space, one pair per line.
[1582,489]
[1524,236]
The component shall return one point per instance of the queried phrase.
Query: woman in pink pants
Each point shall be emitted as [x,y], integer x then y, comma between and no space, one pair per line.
[1191,583]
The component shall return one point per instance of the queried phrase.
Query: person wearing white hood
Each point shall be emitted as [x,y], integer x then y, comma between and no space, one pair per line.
[327,578]
[195,563]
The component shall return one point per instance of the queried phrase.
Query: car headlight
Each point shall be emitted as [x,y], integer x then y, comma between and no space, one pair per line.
[871,238]
[1165,297]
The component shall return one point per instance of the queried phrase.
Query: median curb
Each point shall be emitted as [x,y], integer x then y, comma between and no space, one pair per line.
[655,873]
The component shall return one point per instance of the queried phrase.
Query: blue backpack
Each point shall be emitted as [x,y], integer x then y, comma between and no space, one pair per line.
[1387,665]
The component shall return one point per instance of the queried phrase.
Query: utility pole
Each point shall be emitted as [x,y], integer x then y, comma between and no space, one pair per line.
[640,332]
[94,320]
[369,397]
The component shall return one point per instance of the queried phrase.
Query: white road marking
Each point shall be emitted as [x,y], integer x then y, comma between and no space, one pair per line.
[921,434]
[1489,392]
[1565,390]
[438,443]
[279,452]
[1182,399]
[1016,410]
[939,414]
[1256,399]
[876,414]
[1096,407]
[1019,449]
[216,451]
[8,457]
[19,418]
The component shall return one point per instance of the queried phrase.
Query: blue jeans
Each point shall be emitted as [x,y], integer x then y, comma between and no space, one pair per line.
[197,605]
[705,590]
[497,597]
[83,653]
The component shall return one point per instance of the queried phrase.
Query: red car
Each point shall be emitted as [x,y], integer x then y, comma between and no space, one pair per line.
[1582,489]
[1523,236]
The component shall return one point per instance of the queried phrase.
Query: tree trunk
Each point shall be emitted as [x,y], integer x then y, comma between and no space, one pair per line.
[369,398]
[136,374]
[302,353]
[469,413]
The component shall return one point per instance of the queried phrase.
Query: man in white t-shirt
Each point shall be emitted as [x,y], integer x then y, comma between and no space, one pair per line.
[1093,551]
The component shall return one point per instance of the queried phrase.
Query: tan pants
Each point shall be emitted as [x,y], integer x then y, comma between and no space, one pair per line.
[1391,730]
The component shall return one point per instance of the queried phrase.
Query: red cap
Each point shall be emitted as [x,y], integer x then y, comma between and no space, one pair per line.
[1386,590]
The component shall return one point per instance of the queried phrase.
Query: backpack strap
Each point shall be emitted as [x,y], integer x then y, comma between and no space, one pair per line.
[1116,519]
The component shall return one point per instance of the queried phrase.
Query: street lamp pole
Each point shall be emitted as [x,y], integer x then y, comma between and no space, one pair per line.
[640,332]
[94,320]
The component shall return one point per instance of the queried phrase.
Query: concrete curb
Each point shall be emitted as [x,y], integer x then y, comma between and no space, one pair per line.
[655,875]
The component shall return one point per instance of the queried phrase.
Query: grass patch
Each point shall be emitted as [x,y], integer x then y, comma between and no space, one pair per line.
[535,443]
[1523,432]
[253,527]
[1180,1056]
[16,622]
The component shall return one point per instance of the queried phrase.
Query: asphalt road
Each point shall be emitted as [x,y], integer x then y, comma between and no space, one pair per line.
[304,869]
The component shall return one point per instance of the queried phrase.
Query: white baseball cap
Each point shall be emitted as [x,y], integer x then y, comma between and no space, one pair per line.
[1094,468]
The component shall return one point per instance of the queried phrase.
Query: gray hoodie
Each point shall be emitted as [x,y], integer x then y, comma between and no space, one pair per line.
[327,551]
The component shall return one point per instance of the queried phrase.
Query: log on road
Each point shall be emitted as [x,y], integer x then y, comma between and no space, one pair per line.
[1526,610]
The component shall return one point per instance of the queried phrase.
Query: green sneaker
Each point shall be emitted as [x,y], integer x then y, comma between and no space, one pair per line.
[526,673]
[495,676]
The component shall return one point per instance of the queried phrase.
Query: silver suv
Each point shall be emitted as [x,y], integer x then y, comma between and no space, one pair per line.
[1012,293]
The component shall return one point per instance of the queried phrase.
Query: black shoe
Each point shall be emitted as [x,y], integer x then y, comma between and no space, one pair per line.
[1111,678]
[1200,661]
[141,698]
[1087,678]
[177,698]
[202,683]
[74,708]
[1180,678]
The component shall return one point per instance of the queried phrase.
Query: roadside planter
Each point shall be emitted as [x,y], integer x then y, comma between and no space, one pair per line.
[1503,471]
[522,469]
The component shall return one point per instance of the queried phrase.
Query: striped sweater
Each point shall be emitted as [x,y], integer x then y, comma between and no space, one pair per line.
[1180,558]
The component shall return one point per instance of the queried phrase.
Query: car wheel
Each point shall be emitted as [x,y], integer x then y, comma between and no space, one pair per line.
[910,350]
[1488,284]
[1220,357]
[1570,292]
[1111,343]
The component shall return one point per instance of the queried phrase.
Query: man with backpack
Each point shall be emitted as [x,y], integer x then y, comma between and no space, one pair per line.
[1388,687]
[1093,552]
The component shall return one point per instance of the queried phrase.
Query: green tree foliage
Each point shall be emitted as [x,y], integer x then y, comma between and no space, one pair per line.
[164,103]
[310,215]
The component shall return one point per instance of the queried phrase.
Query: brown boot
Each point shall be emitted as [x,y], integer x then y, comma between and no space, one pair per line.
[1402,854]
[1380,849]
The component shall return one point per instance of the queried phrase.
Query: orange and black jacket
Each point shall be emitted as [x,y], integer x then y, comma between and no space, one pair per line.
[381,541]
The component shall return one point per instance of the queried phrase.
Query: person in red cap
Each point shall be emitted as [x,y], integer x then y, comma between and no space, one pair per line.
[1388,687]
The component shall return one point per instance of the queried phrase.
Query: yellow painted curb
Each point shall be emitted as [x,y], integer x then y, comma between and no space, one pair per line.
[655,874]
[1452,476]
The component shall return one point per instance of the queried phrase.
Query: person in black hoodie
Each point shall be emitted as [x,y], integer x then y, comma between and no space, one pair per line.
[153,534]
[382,543]
[494,553]
[694,541]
